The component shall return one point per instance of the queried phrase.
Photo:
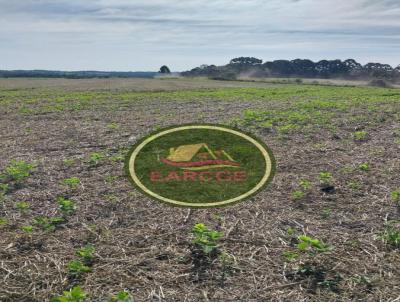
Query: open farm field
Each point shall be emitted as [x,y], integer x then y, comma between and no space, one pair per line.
[326,229]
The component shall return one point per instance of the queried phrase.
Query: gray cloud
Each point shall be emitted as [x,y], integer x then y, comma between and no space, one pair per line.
[131,34]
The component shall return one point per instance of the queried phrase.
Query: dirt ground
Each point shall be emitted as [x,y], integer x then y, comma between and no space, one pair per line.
[144,247]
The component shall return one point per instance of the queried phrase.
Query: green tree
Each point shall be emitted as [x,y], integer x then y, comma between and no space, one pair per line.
[164,69]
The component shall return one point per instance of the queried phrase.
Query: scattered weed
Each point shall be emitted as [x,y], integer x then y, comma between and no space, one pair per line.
[3,221]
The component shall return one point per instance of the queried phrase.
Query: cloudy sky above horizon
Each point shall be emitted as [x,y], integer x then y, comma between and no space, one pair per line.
[143,35]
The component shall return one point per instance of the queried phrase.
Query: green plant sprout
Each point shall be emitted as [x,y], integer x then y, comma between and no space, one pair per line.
[22,206]
[77,268]
[326,213]
[3,221]
[72,182]
[69,162]
[206,239]
[113,126]
[392,236]
[4,188]
[290,255]
[66,206]
[86,253]
[305,184]
[360,135]
[76,294]
[395,196]
[298,195]
[308,243]
[325,177]
[48,224]
[17,171]
[27,229]
[95,158]
[364,166]
[122,296]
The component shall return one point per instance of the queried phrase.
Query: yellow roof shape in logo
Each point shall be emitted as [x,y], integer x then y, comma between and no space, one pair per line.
[187,152]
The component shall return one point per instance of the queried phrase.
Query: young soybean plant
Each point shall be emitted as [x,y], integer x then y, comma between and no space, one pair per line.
[122,296]
[206,239]
[77,268]
[312,245]
[17,171]
[72,182]
[66,206]
[76,294]
[86,253]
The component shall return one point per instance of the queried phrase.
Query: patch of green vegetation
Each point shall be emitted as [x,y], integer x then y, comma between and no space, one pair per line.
[113,126]
[66,206]
[75,294]
[86,253]
[307,243]
[391,236]
[22,206]
[48,223]
[122,296]
[354,185]
[296,195]
[17,171]
[326,213]
[95,158]
[360,135]
[325,177]
[77,268]
[111,178]
[69,162]
[3,221]
[395,195]
[290,256]
[72,182]
[205,238]
[364,166]
[27,229]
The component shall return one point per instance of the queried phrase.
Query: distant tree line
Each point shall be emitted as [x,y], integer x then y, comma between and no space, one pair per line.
[253,67]
[74,74]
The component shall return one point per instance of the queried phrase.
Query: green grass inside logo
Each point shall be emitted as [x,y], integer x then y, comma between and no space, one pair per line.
[200,166]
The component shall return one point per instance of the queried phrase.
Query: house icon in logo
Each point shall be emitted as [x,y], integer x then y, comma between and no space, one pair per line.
[198,157]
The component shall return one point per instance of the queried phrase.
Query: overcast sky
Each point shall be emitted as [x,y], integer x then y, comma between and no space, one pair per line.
[143,35]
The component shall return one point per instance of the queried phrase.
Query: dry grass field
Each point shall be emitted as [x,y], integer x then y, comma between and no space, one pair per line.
[326,229]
